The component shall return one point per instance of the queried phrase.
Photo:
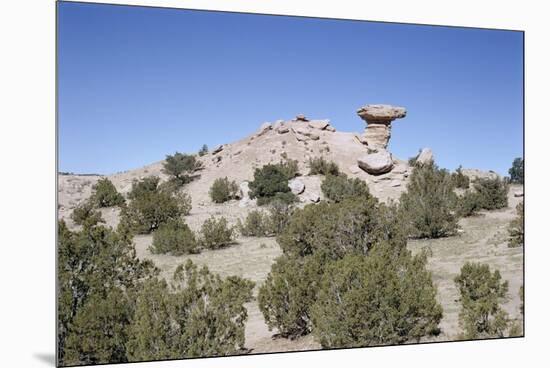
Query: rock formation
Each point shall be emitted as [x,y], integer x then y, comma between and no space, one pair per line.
[425,156]
[377,134]
[379,118]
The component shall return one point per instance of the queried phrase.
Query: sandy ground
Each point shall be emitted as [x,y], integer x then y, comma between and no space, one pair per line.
[483,238]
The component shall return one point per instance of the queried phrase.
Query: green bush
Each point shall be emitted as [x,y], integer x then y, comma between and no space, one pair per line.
[459,179]
[319,165]
[152,205]
[338,188]
[515,230]
[429,202]
[105,194]
[204,150]
[493,193]
[380,299]
[257,223]
[180,167]
[85,214]
[336,229]
[279,216]
[516,171]
[174,237]
[286,297]
[468,204]
[271,183]
[223,190]
[481,292]
[215,233]
[203,316]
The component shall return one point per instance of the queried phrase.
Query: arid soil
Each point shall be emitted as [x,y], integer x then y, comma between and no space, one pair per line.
[482,238]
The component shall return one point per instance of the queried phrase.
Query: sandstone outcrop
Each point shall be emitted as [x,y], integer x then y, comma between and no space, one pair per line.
[425,156]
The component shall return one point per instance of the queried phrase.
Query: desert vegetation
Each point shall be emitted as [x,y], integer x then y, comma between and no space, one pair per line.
[271,183]
[181,168]
[223,190]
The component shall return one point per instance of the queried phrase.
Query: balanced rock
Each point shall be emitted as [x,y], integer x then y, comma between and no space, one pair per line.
[296,186]
[376,163]
[425,156]
[379,119]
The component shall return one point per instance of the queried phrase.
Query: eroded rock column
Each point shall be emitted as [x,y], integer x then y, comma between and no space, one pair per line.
[378,119]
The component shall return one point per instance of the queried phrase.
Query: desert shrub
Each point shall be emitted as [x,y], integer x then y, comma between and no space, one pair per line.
[180,167]
[223,190]
[319,165]
[428,204]
[379,299]
[459,179]
[481,292]
[289,168]
[257,223]
[105,194]
[515,230]
[174,237]
[493,193]
[152,205]
[468,204]
[203,316]
[215,233]
[516,171]
[86,215]
[204,150]
[338,188]
[270,183]
[279,216]
[340,228]
[286,297]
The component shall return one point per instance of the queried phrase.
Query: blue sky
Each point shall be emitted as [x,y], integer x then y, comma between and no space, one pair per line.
[137,83]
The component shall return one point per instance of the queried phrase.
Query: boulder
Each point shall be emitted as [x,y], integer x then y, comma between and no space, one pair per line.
[330,128]
[217,149]
[312,197]
[425,156]
[296,186]
[319,124]
[265,127]
[376,163]
[301,117]
[243,194]
[282,129]
[518,193]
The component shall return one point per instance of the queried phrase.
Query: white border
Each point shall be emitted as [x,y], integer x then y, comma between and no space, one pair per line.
[27,151]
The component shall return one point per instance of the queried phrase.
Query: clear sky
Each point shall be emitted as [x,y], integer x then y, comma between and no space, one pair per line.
[138,83]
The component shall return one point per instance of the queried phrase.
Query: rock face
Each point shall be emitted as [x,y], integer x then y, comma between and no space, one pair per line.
[265,127]
[379,119]
[319,124]
[376,163]
[217,149]
[425,156]
[304,133]
[296,186]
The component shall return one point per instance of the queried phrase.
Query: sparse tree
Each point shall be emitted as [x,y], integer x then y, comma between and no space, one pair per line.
[105,194]
[86,215]
[493,193]
[428,204]
[481,292]
[150,206]
[516,171]
[256,223]
[181,167]
[223,190]
[271,182]
[515,230]
[204,150]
